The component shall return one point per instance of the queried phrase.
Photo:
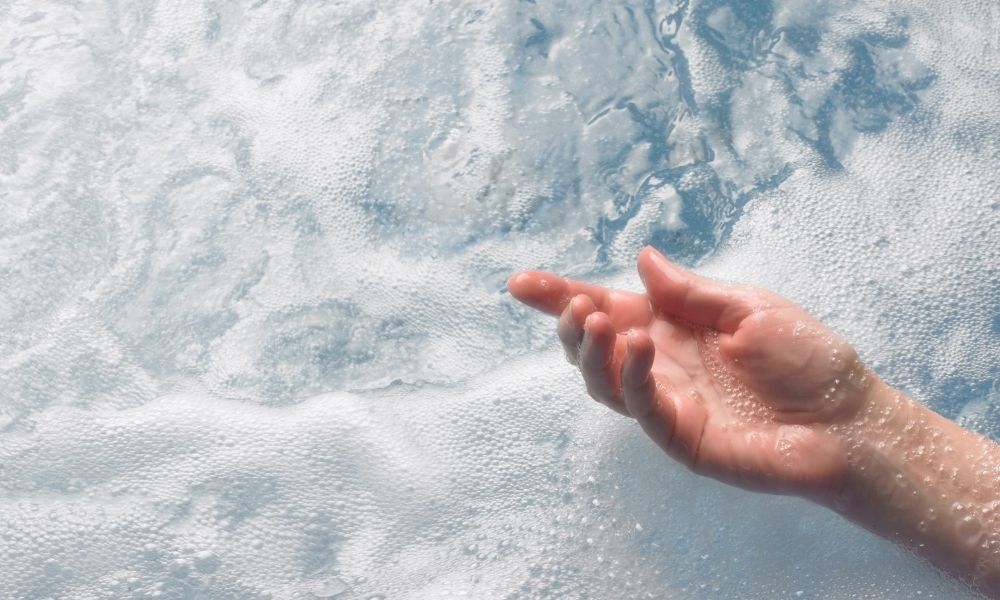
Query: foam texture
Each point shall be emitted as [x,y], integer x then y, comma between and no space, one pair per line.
[254,336]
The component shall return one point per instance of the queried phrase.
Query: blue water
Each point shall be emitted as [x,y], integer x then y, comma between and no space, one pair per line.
[254,336]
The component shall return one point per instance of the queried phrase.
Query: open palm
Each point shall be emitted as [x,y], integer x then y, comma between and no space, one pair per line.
[734,382]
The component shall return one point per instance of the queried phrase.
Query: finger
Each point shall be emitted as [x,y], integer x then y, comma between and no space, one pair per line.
[683,294]
[598,364]
[676,424]
[550,294]
[570,328]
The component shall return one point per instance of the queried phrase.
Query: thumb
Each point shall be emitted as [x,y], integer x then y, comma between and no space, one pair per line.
[685,295]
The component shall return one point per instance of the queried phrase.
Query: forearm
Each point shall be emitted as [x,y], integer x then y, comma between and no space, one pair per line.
[919,479]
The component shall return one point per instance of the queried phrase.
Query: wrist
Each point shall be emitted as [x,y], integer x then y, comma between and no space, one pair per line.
[870,404]
[884,443]
[919,479]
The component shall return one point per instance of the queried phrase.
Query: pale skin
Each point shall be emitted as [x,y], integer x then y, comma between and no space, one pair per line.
[741,385]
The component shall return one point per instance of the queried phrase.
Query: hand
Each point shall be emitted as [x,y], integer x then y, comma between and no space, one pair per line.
[736,383]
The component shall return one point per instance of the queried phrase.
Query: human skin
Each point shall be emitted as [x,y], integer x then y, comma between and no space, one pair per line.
[742,385]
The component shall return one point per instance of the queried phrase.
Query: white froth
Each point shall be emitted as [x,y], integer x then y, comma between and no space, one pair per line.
[255,341]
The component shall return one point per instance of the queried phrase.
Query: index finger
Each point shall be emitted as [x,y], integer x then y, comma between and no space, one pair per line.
[550,294]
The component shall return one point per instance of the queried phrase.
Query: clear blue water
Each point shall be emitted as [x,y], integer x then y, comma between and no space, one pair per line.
[254,337]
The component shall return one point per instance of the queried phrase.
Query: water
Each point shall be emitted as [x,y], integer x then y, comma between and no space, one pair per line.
[255,339]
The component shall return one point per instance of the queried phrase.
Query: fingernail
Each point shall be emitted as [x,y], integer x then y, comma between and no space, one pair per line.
[659,261]
[577,309]
[518,279]
[658,258]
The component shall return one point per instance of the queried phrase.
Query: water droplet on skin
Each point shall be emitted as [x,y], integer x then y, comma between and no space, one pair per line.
[969,530]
